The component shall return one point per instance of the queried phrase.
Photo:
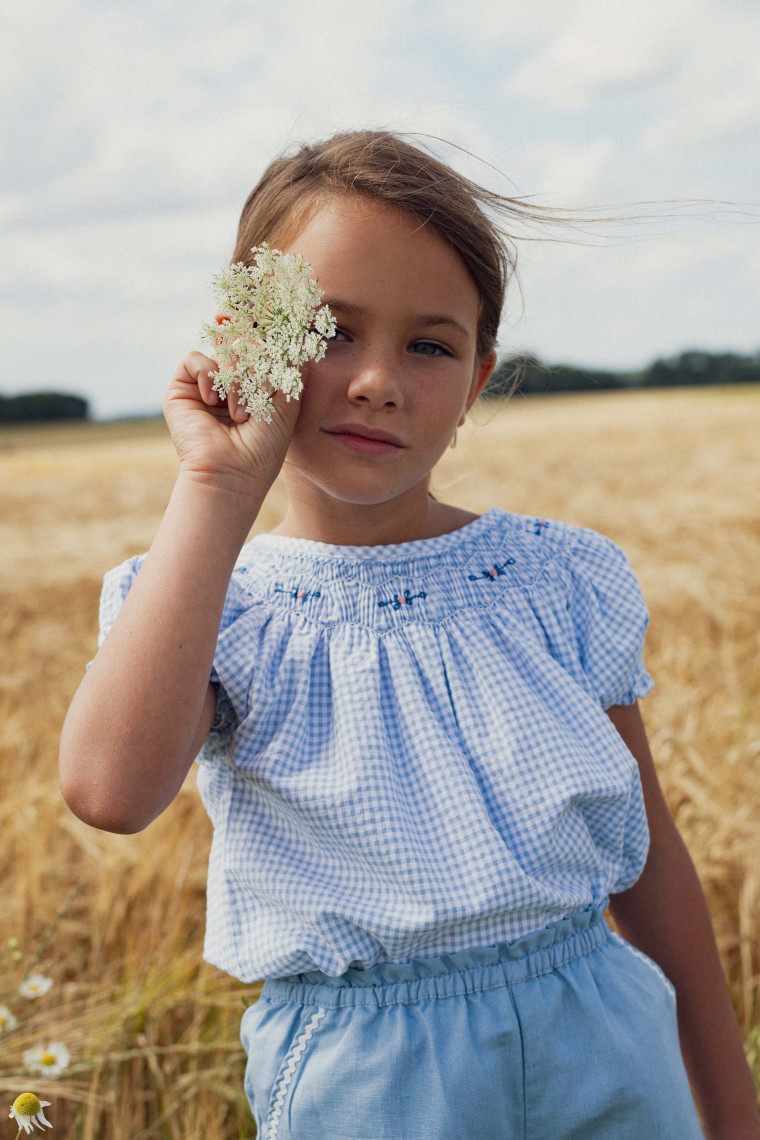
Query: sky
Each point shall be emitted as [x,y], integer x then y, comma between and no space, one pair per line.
[132,135]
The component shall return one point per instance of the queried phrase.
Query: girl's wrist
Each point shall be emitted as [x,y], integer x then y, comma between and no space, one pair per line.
[214,514]
[238,492]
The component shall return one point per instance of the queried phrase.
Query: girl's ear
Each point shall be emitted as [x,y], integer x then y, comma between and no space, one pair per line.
[482,374]
[221,318]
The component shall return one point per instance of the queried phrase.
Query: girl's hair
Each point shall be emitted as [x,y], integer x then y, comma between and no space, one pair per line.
[380,165]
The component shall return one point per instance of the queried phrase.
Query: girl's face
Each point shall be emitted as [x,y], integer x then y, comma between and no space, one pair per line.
[389,366]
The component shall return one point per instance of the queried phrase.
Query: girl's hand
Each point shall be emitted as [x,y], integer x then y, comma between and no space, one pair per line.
[216,438]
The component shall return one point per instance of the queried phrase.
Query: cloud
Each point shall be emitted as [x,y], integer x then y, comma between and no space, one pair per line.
[566,174]
[130,259]
[715,96]
[604,48]
[134,133]
[488,28]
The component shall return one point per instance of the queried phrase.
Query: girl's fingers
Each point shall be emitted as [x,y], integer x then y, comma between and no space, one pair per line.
[204,380]
[205,383]
[196,368]
[237,413]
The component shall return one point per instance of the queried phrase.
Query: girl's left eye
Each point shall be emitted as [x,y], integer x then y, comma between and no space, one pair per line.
[432,344]
[429,343]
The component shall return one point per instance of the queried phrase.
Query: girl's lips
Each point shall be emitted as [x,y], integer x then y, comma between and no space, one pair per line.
[362,444]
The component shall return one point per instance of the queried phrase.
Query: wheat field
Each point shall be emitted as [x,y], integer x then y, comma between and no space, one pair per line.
[117,920]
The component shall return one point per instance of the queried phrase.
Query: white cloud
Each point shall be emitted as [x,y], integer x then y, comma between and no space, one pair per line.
[603,47]
[135,133]
[566,174]
[490,27]
[622,304]
[716,94]
[129,259]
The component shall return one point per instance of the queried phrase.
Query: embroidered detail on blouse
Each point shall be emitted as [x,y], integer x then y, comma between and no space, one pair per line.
[404,599]
[540,525]
[493,571]
[296,593]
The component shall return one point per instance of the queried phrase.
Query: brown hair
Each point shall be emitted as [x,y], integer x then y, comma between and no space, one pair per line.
[381,165]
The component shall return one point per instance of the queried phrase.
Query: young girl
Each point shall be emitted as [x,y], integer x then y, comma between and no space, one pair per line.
[417,727]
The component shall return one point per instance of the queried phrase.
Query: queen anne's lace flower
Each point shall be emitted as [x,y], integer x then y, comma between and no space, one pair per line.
[35,985]
[7,1020]
[272,328]
[47,1060]
[27,1111]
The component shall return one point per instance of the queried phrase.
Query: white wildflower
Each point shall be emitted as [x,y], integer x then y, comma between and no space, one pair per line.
[27,1111]
[35,985]
[47,1060]
[274,327]
[7,1020]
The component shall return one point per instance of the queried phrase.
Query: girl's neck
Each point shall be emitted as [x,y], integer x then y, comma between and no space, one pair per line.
[440,518]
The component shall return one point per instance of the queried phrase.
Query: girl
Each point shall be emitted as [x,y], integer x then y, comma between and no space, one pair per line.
[417,727]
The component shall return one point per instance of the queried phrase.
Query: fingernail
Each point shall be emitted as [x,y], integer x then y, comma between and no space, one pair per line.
[213,397]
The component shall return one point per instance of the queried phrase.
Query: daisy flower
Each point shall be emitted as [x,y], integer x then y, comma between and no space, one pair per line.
[272,326]
[7,1020]
[35,985]
[47,1060]
[27,1111]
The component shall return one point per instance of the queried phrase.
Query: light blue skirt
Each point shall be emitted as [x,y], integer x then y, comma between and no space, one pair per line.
[568,1033]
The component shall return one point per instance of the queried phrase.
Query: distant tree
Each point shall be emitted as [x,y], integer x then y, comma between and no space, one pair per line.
[35,406]
[703,368]
[526,373]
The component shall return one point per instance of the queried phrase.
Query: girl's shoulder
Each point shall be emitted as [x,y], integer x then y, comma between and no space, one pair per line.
[544,540]
[581,546]
[579,563]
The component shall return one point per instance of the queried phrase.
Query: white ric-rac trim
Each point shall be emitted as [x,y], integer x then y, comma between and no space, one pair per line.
[286,1077]
[652,965]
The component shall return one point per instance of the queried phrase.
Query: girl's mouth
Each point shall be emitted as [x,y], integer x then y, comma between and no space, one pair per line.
[363,445]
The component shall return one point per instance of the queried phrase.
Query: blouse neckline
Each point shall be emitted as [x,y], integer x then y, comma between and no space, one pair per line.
[393,552]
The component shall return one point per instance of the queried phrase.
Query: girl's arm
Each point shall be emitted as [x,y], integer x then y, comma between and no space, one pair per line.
[143,708]
[665,915]
[134,726]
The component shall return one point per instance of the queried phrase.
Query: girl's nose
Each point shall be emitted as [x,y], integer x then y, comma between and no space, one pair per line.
[376,380]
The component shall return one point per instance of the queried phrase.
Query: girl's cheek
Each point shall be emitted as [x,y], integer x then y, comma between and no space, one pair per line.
[313,375]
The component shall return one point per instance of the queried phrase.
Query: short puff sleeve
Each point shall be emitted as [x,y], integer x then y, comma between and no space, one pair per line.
[116,585]
[610,618]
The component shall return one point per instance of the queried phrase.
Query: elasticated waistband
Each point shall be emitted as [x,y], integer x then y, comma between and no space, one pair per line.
[472,970]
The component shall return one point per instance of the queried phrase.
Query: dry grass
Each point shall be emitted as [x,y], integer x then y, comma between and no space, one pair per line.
[117,921]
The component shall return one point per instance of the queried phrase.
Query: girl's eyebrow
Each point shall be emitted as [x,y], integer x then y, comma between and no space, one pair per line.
[427,320]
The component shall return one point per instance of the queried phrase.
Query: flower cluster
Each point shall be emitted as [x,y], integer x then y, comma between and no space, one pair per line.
[272,326]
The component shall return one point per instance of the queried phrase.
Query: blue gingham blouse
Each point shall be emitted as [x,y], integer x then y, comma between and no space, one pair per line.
[410,753]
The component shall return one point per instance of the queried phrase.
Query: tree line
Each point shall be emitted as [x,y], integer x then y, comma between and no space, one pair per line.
[526,373]
[42,406]
[519,373]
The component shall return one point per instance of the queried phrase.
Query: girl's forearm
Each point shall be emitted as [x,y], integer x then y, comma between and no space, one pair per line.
[665,915]
[129,729]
